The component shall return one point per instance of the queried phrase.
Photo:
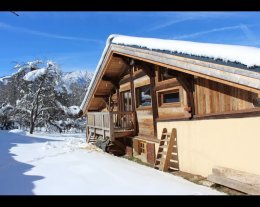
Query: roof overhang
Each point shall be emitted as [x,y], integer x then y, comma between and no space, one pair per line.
[237,77]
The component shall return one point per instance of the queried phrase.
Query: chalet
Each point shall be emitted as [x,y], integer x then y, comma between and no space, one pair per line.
[177,105]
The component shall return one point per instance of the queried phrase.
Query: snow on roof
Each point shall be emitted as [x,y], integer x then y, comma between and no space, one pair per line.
[249,56]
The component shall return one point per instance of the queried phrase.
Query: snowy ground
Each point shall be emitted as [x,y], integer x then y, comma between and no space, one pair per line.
[64,164]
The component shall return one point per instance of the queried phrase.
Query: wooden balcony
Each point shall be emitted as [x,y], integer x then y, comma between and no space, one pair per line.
[110,124]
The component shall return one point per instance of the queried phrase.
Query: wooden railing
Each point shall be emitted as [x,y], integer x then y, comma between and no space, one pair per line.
[105,123]
[123,120]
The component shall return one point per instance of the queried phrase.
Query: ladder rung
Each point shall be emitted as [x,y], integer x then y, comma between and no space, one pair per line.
[174,153]
[166,139]
[167,134]
[162,153]
[163,146]
[173,168]
[175,145]
[160,159]
[176,161]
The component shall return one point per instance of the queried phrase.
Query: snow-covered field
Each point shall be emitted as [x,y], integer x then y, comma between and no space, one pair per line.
[64,164]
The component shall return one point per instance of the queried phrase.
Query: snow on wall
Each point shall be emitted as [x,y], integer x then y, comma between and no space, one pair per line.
[249,56]
[32,75]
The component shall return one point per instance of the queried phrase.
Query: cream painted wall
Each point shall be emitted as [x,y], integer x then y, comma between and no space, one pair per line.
[203,144]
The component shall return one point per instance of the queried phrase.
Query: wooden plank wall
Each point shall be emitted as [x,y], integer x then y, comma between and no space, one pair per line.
[144,114]
[214,97]
[172,112]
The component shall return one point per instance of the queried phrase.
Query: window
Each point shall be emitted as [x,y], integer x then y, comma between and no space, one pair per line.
[127,101]
[165,73]
[169,97]
[143,96]
[142,147]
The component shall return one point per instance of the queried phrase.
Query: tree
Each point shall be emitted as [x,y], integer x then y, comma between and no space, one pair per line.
[38,92]
[6,116]
[42,96]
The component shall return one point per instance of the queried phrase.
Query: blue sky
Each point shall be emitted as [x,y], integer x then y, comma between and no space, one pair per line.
[75,40]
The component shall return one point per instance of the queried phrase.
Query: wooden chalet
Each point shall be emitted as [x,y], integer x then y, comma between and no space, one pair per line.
[173,110]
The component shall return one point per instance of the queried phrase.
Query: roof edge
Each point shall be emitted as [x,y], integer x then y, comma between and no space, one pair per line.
[108,43]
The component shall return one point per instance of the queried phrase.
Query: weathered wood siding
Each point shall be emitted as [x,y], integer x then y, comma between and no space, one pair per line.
[144,114]
[172,112]
[214,97]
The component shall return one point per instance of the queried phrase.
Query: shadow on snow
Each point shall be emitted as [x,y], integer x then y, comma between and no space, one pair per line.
[13,180]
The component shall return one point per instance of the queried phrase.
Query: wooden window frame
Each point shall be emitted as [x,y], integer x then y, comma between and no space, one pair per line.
[172,90]
[142,147]
[138,105]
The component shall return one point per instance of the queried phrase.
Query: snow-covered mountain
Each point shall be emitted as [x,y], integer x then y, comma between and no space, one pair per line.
[78,77]
[4,80]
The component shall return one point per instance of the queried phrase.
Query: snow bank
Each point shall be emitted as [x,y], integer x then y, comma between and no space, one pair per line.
[18,131]
[32,75]
[248,56]
[64,164]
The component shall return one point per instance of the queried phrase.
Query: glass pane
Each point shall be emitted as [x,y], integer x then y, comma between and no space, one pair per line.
[127,101]
[171,97]
[145,96]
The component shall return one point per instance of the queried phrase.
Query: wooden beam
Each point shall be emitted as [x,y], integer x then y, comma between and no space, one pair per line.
[166,84]
[135,76]
[147,68]
[154,103]
[100,96]
[254,112]
[133,100]
[188,85]
[239,180]
[234,184]
[248,88]
[125,80]
[118,100]
[113,81]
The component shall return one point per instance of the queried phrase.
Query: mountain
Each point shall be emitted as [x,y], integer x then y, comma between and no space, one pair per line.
[79,77]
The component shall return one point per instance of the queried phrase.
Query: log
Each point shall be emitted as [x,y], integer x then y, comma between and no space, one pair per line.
[234,184]
[235,179]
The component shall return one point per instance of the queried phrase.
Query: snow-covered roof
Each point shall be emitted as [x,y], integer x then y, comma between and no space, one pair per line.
[247,56]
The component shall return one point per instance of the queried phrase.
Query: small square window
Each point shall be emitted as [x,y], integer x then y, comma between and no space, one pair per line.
[168,98]
[142,147]
[171,97]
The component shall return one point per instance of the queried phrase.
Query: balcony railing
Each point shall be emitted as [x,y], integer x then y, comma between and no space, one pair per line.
[110,124]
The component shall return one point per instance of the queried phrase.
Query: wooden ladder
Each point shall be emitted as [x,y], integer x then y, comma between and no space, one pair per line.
[91,138]
[167,156]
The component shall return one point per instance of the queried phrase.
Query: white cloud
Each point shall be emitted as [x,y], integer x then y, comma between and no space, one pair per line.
[244,28]
[46,34]
[179,17]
